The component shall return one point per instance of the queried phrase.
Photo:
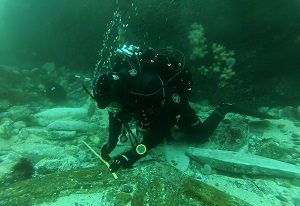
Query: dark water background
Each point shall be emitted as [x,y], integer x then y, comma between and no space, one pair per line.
[265,36]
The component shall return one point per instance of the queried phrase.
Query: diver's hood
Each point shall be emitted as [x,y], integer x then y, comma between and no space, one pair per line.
[106,89]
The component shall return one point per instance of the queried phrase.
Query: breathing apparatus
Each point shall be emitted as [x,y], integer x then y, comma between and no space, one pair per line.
[131,54]
[134,56]
[128,50]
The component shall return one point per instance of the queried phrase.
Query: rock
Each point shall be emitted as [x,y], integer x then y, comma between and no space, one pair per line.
[206,170]
[6,129]
[16,87]
[175,155]
[232,136]
[274,150]
[62,135]
[44,118]
[242,163]
[7,162]
[47,165]
[296,135]
[148,184]
[4,105]
[27,131]
[36,152]
[253,143]
[258,127]
[45,134]
[19,125]
[72,125]
[260,124]
[17,113]
[96,139]
[49,67]
[275,113]
[297,124]
[290,113]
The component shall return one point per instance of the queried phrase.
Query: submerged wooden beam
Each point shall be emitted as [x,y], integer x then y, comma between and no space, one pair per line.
[243,163]
[150,183]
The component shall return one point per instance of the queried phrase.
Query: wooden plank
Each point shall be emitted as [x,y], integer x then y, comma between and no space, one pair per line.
[243,163]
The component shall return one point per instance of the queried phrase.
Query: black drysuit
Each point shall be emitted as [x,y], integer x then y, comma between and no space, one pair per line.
[158,112]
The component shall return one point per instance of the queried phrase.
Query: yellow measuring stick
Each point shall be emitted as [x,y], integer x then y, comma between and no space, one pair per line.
[106,163]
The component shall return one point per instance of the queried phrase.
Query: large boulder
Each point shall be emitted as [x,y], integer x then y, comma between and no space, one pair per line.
[47,165]
[65,119]
[6,129]
[26,133]
[44,118]
[36,151]
[72,125]
[7,161]
[19,113]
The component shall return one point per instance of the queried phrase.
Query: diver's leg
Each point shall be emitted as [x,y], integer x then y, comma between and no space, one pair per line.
[160,128]
[190,123]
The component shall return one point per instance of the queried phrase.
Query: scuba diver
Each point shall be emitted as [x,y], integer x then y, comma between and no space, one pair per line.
[152,88]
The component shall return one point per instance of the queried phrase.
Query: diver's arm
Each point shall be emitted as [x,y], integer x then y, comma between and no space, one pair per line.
[127,159]
[115,126]
[156,129]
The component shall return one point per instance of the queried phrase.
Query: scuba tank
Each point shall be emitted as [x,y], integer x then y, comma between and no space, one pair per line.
[167,63]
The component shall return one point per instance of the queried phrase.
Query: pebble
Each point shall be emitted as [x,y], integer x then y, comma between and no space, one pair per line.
[127,188]
[206,170]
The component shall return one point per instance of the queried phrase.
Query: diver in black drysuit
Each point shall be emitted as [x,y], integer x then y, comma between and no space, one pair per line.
[157,107]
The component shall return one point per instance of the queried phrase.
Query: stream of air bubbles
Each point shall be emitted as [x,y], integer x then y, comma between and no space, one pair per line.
[112,39]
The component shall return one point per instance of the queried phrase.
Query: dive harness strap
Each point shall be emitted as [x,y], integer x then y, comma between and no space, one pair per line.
[87,91]
[140,149]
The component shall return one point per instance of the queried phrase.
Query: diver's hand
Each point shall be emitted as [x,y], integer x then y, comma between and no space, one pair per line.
[121,161]
[104,153]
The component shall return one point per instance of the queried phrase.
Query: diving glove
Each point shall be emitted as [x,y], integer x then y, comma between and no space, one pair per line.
[104,153]
[121,161]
